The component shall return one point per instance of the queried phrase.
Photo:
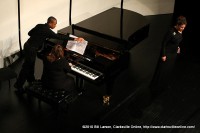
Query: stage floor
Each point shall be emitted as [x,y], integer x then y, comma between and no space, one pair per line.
[132,104]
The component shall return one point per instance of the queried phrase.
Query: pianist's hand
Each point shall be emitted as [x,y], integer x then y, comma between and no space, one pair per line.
[66,49]
[79,39]
[70,64]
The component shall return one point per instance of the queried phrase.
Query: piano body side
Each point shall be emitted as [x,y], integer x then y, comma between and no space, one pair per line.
[114,29]
[113,32]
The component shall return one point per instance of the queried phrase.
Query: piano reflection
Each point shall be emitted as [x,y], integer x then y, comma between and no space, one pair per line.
[110,35]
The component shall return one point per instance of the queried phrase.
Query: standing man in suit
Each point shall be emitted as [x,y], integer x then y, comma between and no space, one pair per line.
[38,35]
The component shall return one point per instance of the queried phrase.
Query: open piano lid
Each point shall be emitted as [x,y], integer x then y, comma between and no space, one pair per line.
[117,29]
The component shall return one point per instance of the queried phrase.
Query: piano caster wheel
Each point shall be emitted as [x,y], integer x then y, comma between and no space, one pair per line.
[106,100]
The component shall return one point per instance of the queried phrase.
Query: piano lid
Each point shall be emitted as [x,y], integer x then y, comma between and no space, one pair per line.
[117,25]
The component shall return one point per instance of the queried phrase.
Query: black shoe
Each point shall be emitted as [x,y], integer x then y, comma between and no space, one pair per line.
[19,89]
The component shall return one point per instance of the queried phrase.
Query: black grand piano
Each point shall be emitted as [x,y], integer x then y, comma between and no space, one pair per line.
[110,35]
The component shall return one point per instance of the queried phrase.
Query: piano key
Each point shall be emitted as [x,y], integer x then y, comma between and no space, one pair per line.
[86,71]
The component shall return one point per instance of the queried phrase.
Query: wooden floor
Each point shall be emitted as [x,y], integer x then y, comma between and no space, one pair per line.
[132,110]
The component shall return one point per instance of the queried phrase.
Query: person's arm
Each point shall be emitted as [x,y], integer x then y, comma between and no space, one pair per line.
[79,39]
[179,47]
[52,34]
[66,66]
[165,41]
[75,38]
[178,50]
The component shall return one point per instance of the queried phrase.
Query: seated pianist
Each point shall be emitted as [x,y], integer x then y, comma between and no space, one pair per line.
[55,69]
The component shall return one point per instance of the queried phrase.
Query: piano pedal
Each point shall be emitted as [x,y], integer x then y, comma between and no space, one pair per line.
[80,91]
[106,100]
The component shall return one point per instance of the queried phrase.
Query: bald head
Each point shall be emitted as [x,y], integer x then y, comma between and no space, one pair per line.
[52,21]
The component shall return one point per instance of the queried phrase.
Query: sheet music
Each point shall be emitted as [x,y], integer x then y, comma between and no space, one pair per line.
[76,46]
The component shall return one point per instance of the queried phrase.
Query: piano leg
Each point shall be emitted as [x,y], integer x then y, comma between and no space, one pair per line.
[79,84]
[107,96]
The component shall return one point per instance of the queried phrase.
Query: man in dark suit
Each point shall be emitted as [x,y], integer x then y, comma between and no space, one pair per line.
[38,35]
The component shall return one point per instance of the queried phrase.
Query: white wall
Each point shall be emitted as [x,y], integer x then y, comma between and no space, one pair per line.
[150,7]
[37,11]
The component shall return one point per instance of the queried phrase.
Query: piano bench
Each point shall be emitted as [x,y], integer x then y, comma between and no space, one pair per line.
[56,98]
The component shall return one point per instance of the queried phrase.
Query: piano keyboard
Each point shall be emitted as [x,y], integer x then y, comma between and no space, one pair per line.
[86,71]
